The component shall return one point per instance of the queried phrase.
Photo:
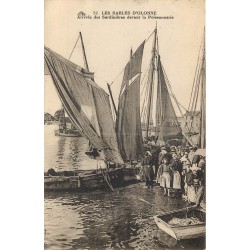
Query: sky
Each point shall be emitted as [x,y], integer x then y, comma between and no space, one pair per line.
[108,42]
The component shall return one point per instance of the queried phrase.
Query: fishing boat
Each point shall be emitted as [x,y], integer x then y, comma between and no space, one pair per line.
[66,128]
[145,103]
[83,180]
[88,107]
[190,223]
[67,133]
[144,107]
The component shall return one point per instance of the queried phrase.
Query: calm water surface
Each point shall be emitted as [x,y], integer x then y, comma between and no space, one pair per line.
[102,219]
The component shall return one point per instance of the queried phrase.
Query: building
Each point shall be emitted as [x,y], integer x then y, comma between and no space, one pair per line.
[190,122]
[48,118]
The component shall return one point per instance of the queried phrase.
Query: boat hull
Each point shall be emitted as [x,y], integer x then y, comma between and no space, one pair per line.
[130,174]
[82,181]
[115,178]
[52,183]
[181,232]
[67,133]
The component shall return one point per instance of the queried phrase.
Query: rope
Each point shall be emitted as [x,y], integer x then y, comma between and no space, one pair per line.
[150,36]
[117,76]
[74,47]
[171,92]
[126,64]
[195,87]
[195,75]
[108,181]
[145,81]
[197,93]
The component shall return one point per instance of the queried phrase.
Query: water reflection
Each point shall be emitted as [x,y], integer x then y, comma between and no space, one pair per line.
[65,153]
[109,220]
[102,219]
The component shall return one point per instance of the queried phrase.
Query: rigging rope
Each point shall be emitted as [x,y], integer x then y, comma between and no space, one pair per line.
[126,64]
[170,88]
[197,94]
[74,47]
[194,92]
[145,82]
[195,75]
[150,36]
[107,179]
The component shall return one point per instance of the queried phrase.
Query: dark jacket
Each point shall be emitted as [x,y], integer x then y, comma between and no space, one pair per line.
[189,177]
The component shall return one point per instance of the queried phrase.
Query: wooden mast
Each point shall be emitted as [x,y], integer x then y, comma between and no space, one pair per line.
[151,85]
[202,139]
[84,54]
[112,99]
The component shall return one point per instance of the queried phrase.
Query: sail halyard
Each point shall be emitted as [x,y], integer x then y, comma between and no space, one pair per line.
[85,102]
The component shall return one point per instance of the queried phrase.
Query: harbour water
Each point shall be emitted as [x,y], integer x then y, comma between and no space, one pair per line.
[103,219]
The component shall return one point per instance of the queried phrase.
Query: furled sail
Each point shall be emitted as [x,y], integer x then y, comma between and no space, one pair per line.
[167,126]
[85,102]
[128,122]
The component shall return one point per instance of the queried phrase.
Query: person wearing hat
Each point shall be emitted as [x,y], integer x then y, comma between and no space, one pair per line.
[191,154]
[184,160]
[201,191]
[162,154]
[191,195]
[148,169]
[177,171]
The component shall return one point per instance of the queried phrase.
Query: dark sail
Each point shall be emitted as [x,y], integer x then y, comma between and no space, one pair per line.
[167,126]
[133,67]
[85,102]
[128,122]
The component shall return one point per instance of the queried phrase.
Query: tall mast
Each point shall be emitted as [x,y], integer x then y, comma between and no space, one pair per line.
[202,139]
[84,54]
[150,99]
[112,99]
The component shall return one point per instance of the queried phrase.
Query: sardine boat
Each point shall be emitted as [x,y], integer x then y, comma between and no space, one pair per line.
[67,133]
[183,224]
[84,180]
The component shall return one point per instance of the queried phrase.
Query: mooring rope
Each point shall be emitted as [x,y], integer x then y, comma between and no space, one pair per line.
[108,181]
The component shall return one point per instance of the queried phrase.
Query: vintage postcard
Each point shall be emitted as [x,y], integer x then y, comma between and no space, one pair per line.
[125,124]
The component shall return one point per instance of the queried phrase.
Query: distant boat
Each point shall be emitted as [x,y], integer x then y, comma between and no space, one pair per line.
[187,230]
[66,128]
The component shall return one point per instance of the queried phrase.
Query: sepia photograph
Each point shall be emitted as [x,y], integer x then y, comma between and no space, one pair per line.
[124,124]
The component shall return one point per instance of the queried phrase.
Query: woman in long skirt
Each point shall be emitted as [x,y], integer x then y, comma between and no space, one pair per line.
[165,177]
[191,194]
[147,169]
[176,180]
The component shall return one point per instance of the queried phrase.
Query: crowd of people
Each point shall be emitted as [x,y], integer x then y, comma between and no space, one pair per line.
[176,168]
